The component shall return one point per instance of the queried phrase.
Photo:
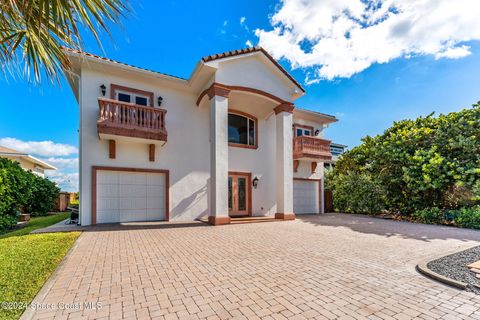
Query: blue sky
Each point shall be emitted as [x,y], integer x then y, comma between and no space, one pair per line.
[172,36]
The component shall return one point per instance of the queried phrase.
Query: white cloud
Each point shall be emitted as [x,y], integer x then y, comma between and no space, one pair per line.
[338,38]
[63,163]
[454,53]
[66,181]
[40,148]
[249,43]
[243,24]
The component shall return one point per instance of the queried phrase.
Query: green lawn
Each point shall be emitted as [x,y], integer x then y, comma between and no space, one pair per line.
[28,260]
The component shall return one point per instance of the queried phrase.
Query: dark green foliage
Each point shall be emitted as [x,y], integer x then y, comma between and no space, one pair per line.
[44,194]
[430,215]
[418,164]
[23,191]
[468,217]
[357,192]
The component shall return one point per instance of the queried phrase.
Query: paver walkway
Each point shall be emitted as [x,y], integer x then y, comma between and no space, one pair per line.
[322,267]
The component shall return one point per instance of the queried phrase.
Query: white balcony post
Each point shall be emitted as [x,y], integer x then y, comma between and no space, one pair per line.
[284,162]
[218,156]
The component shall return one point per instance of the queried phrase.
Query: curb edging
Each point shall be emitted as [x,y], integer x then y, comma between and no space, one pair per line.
[423,269]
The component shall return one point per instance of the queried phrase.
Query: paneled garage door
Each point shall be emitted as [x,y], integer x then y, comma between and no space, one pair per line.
[124,196]
[306,197]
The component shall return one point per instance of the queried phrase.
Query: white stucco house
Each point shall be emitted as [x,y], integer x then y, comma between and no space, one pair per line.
[226,142]
[26,161]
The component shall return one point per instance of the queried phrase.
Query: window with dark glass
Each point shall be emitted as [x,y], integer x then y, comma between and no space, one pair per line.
[141,101]
[241,129]
[124,97]
[133,97]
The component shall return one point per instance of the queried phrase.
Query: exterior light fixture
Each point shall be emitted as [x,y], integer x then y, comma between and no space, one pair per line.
[159,100]
[255,182]
[103,89]
[317,132]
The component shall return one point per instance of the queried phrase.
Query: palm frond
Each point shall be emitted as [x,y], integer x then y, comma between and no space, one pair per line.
[32,32]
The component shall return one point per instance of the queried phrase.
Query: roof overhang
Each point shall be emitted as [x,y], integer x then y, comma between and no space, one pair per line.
[29,158]
[313,116]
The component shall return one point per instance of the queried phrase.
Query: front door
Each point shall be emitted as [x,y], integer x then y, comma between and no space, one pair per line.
[238,194]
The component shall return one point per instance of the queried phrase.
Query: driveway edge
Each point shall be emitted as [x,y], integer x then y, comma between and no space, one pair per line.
[29,312]
[423,269]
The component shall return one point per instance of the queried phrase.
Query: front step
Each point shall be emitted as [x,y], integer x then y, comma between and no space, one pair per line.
[241,220]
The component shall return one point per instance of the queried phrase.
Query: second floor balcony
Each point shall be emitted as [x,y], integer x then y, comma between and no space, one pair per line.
[130,120]
[307,147]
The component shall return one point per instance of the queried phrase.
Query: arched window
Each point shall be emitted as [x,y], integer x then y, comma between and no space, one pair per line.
[242,130]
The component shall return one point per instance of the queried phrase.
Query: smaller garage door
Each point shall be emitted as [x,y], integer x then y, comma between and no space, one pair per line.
[305,197]
[124,196]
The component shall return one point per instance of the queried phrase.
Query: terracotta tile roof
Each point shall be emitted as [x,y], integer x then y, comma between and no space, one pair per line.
[250,50]
[91,55]
[10,151]
[204,59]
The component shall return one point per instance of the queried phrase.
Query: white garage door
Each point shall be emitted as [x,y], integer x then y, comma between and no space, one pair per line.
[305,197]
[130,196]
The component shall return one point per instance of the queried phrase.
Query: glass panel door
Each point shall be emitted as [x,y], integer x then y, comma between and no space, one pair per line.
[239,194]
[242,194]
[230,193]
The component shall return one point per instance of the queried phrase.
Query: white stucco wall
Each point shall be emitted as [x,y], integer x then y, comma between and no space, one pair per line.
[253,73]
[186,154]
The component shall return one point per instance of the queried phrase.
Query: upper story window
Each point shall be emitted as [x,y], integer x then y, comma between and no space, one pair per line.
[242,130]
[301,130]
[131,95]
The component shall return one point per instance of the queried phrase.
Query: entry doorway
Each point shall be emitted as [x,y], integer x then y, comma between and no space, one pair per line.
[239,194]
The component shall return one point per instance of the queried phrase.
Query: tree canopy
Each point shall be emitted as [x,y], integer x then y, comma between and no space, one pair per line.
[415,164]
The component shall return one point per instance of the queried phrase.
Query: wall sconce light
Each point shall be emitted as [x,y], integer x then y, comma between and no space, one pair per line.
[103,89]
[255,182]
[159,100]
[317,132]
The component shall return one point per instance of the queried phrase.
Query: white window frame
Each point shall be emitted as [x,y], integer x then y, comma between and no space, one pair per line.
[133,95]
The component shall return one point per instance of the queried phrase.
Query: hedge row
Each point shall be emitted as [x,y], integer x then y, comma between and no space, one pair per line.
[23,191]
[414,168]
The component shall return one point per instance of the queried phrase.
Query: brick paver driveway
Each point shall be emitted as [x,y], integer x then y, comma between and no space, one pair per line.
[327,267]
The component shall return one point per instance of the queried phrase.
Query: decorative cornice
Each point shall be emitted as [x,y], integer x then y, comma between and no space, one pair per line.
[224,87]
[284,107]
[217,90]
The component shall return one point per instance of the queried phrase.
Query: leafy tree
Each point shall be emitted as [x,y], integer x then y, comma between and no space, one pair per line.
[422,163]
[23,191]
[32,32]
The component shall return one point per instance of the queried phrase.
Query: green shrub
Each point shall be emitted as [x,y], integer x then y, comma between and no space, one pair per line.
[429,215]
[356,193]
[422,163]
[7,221]
[468,217]
[44,194]
[23,191]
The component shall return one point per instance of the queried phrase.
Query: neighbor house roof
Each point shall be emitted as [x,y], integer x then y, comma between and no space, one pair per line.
[7,152]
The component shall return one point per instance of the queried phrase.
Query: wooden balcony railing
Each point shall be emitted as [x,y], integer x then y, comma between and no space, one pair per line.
[131,120]
[311,147]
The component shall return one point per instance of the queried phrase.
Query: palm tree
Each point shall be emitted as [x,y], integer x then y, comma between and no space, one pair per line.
[32,32]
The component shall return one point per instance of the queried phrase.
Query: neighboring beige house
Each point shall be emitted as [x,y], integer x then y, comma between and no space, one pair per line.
[26,161]
[224,143]
[337,150]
